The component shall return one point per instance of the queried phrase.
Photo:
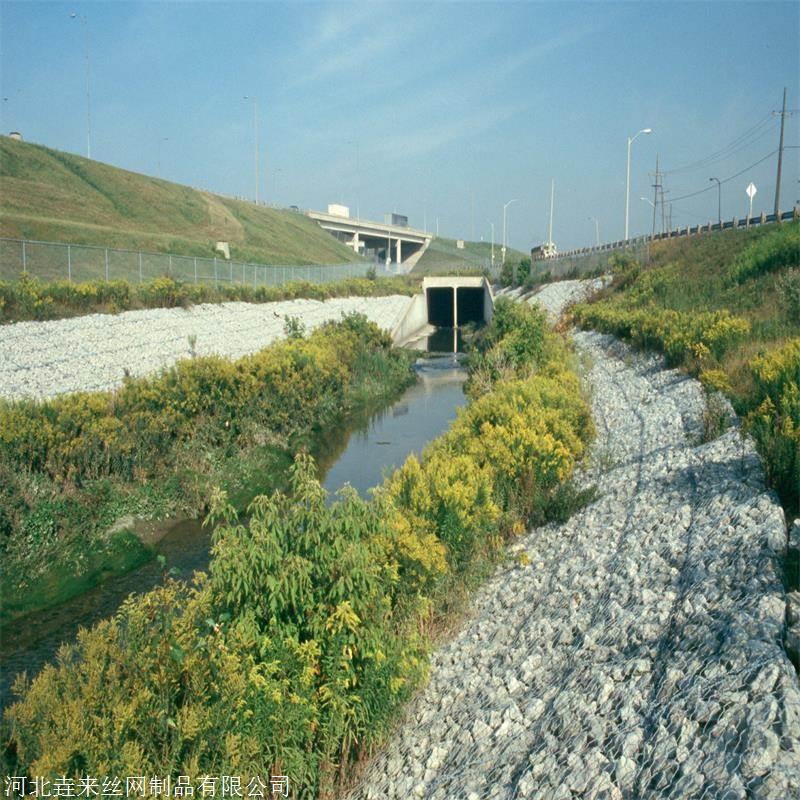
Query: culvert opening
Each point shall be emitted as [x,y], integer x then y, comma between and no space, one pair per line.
[470,304]
[440,306]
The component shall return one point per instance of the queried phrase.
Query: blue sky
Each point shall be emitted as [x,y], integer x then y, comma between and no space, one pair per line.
[445,109]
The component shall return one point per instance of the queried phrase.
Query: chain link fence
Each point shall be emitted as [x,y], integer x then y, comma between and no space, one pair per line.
[56,261]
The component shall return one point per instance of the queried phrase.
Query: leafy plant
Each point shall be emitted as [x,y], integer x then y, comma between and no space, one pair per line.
[314,623]
[293,327]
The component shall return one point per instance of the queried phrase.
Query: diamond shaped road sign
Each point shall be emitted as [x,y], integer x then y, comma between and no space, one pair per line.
[751,190]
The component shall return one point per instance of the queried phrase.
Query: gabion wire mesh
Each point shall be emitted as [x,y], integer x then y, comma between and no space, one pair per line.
[639,654]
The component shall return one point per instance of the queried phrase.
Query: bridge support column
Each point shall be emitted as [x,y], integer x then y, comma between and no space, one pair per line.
[356,242]
[399,251]
[389,251]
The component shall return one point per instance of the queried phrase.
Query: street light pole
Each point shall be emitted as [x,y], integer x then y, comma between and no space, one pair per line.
[74,15]
[631,140]
[255,137]
[719,199]
[505,206]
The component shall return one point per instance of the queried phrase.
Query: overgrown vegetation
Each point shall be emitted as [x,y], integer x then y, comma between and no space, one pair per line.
[296,652]
[54,196]
[31,299]
[71,465]
[725,307]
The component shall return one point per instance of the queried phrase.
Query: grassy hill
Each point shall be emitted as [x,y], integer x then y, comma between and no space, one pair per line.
[725,306]
[53,196]
[443,255]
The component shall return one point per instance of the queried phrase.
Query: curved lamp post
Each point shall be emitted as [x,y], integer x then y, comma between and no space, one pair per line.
[631,139]
[505,206]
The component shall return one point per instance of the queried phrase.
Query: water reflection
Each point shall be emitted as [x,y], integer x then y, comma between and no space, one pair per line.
[439,340]
[385,441]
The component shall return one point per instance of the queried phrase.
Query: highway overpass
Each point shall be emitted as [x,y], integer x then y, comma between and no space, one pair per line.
[395,244]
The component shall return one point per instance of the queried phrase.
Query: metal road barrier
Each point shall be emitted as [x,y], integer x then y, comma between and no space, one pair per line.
[590,259]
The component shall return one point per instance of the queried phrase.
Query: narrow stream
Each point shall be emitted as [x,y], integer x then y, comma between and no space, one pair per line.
[359,452]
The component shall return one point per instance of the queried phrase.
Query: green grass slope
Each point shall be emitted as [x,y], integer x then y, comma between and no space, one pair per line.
[726,307]
[442,256]
[53,196]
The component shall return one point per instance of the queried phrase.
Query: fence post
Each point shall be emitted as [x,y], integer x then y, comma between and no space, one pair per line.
[106,265]
[140,266]
[69,263]
[195,269]
[24,258]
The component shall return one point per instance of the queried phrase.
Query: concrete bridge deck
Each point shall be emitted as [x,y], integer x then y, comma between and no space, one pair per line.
[400,243]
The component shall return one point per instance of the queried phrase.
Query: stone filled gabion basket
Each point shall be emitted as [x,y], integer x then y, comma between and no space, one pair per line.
[640,653]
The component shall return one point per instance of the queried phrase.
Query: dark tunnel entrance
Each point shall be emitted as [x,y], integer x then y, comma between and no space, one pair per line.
[440,306]
[470,304]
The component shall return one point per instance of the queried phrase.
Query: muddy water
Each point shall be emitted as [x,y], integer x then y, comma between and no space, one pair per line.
[359,452]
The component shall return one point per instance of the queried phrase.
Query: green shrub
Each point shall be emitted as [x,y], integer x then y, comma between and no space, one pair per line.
[789,288]
[313,625]
[684,337]
[31,299]
[775,421]
[778,249]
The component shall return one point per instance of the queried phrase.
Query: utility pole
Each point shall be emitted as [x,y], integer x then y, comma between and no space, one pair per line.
[656,189]
[783,113]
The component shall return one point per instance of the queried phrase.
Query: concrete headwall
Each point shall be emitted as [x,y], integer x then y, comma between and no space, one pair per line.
[415,318]
[417,315]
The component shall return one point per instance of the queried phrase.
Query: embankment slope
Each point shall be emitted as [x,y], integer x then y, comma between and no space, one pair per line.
[49,195]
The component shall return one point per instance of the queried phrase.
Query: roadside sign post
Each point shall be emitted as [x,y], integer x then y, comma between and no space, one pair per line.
[751,193]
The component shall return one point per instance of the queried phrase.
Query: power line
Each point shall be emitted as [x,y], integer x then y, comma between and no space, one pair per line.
[732,149]
[736,144]
[729,178]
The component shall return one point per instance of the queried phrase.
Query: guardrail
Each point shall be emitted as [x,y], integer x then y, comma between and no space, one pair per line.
[588,259]
[79,262]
